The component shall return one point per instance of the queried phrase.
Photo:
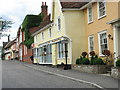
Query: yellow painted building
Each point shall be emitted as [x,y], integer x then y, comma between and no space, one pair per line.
[64,33]
[101,35]
[79,27]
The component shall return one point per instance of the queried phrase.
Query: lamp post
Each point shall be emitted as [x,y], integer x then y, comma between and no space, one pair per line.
[66,52]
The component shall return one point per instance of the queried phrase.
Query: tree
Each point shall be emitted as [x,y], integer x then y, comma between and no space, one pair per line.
[5,24]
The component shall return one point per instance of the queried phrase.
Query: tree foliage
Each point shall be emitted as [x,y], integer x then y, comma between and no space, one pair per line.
[5,24]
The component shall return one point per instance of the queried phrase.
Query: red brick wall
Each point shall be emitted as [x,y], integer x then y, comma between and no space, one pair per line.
[26,58]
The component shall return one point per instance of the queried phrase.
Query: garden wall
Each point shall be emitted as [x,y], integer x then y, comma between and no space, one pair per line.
[97,69]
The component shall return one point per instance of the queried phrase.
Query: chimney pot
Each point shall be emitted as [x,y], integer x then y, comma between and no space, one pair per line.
[44,9]
[8,37]
[42,3]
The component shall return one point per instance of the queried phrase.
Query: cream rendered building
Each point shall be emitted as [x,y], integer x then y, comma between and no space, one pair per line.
[63,31]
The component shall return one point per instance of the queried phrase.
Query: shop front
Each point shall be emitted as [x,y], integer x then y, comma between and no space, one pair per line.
[53,52]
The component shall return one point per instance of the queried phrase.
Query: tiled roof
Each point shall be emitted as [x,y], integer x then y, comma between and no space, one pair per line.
[46,21]
[72,4]
[33,29]
[4,44]
[10,43]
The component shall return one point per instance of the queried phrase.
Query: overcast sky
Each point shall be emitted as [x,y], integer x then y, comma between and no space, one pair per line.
[16,10]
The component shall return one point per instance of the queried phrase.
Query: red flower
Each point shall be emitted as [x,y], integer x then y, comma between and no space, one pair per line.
[106,53]
[84,54]
[92,53]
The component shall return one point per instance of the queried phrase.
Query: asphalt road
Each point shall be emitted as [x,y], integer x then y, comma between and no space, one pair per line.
[16,75]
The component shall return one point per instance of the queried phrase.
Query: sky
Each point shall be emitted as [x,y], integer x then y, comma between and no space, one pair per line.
[16,10]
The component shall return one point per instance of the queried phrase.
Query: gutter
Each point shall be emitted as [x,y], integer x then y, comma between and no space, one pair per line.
[64,9]
[86,5]
[42,29]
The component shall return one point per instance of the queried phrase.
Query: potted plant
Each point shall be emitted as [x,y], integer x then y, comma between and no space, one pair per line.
[107,54]
[118,63]
[92,54]
[84,54]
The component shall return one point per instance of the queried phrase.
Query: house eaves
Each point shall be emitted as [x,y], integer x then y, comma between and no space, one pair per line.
[88,4]
[9,44]
[40,30]
[70,9]
[72,5]
[113,21]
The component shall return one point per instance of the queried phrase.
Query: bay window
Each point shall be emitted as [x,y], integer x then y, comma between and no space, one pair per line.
[61,50]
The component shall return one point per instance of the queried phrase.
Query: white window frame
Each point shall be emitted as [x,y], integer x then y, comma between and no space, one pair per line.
[99,33]
[20,38]
[50,32]
[59,23]
[34,53]
[88,14]
[89,43]
[35,39]
[63,56]
[98,9]
[42,36]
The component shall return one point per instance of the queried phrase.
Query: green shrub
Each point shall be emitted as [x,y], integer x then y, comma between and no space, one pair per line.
[118,63]
[81,58]
[98,61]
[77,61]
[85,61]
[91,61]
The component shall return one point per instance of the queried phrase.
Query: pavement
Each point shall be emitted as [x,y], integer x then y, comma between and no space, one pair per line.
[102,81]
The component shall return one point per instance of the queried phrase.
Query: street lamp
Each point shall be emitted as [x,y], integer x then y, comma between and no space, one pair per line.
[66,53]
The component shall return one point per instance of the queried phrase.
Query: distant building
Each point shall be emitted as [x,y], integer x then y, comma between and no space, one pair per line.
[10,49]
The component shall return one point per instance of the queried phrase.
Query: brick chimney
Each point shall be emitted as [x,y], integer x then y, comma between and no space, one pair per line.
[44,9]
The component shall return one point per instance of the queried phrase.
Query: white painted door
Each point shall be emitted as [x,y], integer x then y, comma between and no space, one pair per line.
[20,54]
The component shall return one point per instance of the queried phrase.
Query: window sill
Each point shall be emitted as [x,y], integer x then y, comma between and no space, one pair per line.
[63,58]
[102,17]
[90,22]
[101,55]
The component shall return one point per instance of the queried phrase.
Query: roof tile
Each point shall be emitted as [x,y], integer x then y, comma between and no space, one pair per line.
[72,4]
